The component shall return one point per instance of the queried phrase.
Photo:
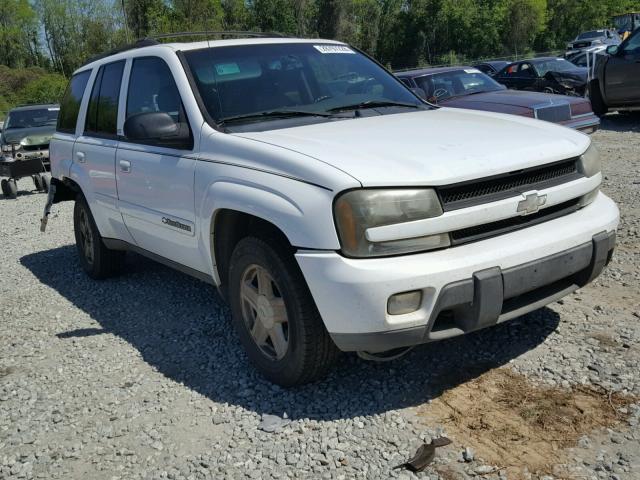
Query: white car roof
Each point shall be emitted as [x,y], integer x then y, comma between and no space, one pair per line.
[186,46]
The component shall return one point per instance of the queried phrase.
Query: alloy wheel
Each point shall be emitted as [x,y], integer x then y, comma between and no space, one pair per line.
[264,312]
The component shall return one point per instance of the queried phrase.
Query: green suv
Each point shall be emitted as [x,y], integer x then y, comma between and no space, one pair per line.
[27,131]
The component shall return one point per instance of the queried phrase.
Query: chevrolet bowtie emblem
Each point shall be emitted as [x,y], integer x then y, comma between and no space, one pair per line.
[531,203]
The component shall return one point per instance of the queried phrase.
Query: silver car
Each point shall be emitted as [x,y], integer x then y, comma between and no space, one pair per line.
[593,38]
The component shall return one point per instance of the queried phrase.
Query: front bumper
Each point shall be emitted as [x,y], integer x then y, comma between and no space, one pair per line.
[586,124]
[463,288]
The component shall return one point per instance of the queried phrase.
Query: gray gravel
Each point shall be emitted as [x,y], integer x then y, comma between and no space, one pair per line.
[141,376]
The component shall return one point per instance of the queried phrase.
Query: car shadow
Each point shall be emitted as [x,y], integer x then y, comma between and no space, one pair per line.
[621,122]
[181,328]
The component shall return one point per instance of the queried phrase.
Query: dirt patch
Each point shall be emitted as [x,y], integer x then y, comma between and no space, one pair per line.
[514,424]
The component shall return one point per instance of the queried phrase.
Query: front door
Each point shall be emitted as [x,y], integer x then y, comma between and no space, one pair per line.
[155,182]
[622,74]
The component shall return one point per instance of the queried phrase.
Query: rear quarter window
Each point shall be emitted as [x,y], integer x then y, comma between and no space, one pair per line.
[70,104]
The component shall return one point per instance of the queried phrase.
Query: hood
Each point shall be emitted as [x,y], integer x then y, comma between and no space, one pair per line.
[433,147]
[514,98]
[28,136]
[577,75]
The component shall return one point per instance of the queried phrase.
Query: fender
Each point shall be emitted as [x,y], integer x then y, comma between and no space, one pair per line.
[306,221]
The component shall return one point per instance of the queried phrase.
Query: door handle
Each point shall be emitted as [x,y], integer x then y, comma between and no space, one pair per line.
[80,157]
[125,166]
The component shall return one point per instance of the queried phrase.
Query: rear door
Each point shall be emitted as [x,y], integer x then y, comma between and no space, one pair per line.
[155,182]
[95,150]
[61,147]
[622,74]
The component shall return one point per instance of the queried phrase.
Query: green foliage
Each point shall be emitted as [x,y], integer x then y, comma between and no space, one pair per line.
[59,35]
[28,85]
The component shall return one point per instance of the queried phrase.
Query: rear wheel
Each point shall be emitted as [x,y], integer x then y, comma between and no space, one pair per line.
[12,188]
[275,315]
[45,183]
[5,187]
[96,259]
[37,182]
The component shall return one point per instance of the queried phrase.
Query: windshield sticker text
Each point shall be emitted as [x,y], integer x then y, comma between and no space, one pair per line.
[333,49]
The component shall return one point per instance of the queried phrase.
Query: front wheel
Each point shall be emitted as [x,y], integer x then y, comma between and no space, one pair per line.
[275,316]
[96,259]
[595,96]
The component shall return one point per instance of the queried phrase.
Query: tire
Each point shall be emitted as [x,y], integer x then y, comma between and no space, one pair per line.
[96,259]
[5,187]
[12,188]
[286,306]
[597,103]
[37,182]
[45,183]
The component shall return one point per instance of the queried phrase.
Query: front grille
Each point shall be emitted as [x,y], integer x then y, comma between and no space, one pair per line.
[554,113]
[480,232]
[581,44]
[35,148]
[491,189]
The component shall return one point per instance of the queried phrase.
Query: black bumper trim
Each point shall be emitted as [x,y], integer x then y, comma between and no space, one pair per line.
[493,295]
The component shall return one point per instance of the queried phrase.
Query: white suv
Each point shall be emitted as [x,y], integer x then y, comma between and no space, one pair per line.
[333,208]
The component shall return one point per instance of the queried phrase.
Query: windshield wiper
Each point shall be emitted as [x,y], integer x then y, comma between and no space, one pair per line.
[273,113]
[373,104]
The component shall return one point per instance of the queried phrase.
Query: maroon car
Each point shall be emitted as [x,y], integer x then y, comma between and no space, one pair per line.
[466,87]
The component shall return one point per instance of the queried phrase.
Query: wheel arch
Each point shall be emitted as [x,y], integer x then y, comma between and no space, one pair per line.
[228,226]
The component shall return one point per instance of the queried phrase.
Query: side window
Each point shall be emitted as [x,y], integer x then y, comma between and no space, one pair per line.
[526,71]
[70,104]
[153,89]
[633,45]
[510,71]
[102,113]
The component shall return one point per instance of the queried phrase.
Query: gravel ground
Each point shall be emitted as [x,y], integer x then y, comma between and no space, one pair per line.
[141,377]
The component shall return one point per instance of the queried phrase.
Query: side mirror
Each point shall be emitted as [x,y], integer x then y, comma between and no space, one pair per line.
[612,50]
[157,128]
[420,93]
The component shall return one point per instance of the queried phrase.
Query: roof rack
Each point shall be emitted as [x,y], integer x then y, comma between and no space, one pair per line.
[220,33]
[149,41]
[144,42]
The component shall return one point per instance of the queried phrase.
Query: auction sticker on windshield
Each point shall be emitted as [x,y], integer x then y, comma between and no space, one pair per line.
[333,49]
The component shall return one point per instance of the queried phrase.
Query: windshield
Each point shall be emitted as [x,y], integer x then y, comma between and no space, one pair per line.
[251,82]
[589,35]
[32,118]
[555,65]
[440,86]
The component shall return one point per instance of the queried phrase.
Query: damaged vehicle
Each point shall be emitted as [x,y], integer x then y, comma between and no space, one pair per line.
[27,131]
[333,208]
[467,87]
[545,74]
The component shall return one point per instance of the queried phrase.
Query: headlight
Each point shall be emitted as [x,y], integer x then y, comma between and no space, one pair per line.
[357,210]
[8,148]
[589,164]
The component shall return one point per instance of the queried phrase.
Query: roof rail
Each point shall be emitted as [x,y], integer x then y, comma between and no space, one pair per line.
[144,42]
[149,41]
[220,33]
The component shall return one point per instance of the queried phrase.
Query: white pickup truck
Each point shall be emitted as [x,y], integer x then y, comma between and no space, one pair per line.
[332,207]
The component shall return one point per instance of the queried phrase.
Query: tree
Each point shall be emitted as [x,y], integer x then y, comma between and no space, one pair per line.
[18,34]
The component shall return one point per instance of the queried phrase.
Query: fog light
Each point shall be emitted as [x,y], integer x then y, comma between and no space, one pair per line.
[405,302]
